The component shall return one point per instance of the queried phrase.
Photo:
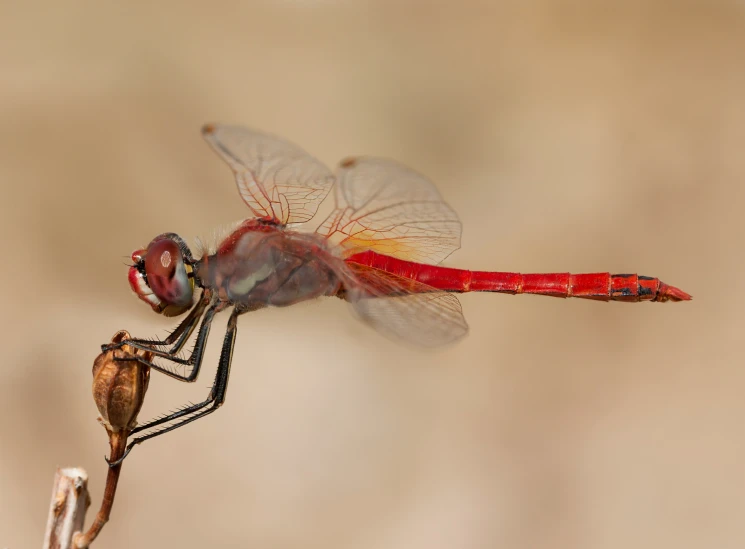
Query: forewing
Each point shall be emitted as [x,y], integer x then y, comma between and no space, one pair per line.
[405,309]
[276,179]
[384,206]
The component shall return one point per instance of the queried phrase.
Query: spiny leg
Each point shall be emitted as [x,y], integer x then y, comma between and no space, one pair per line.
[215,399]
[183,331]
[180,335]
[197,354]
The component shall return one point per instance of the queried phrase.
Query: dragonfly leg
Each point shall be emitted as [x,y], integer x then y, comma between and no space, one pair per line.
[183,331]
[197,354]
[179,336]
[193,412]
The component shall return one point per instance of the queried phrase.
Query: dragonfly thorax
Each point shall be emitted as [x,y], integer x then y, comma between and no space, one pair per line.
[262,265]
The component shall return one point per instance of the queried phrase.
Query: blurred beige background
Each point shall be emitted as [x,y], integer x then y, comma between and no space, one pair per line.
[582,136]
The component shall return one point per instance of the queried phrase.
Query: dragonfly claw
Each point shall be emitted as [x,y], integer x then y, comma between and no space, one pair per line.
[116,462]
[111,346]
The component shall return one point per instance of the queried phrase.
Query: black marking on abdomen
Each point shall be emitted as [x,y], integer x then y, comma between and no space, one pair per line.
[643,291]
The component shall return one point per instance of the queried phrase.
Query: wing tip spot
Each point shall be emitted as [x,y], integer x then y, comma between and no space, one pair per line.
[348,162]
[208,129]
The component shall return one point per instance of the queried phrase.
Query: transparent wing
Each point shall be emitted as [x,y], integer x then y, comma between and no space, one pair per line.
[276,179]
[384,206]
[401,308]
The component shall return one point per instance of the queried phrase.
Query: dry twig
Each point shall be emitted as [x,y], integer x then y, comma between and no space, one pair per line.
[118,443]
[70,501]
[119,388]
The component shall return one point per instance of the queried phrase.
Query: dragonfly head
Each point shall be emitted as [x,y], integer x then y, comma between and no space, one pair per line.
[163,276]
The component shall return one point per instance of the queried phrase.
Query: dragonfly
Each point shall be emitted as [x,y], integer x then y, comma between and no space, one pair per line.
[380,249]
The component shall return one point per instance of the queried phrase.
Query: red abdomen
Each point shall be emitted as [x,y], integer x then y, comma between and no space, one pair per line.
[599,286]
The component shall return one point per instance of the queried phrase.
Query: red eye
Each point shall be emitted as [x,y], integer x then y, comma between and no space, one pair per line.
[167,275]
[160,263]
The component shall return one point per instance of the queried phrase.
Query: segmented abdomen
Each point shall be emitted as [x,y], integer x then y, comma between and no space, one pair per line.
[599,286]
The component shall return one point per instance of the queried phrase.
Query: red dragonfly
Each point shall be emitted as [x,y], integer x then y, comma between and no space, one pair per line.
[380,250]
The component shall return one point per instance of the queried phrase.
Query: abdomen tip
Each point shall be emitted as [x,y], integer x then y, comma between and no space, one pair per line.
[671,293]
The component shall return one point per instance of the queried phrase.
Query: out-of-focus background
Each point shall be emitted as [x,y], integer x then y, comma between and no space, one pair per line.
[582,136]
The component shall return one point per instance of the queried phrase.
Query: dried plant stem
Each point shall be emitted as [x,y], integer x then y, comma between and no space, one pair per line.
[120,381]
[70,501]
[118,443]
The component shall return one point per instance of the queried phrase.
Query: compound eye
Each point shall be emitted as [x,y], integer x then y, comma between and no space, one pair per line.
[167,274]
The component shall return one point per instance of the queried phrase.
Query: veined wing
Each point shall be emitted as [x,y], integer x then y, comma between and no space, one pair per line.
[384,206]
[405,309]
[276,179]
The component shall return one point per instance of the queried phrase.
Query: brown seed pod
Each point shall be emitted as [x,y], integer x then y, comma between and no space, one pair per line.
[119,386]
